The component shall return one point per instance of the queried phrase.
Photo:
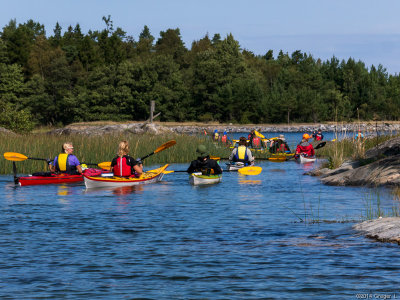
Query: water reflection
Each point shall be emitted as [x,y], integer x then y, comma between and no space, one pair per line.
[249,182]
[126,190]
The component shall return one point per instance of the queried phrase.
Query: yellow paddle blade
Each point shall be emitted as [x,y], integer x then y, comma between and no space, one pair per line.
[251,170]
[105,165]
[215,157]
[165,146]
[168,172]
[259,134]
[15,156]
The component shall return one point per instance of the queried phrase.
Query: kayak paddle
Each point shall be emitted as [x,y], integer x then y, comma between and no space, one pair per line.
[13,156]
[159,149]
[259,134]
[320,145]
[251,170]
[107,164]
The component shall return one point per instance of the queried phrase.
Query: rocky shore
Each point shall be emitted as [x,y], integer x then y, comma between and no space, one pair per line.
[381,167]
[382,229]
[185,128]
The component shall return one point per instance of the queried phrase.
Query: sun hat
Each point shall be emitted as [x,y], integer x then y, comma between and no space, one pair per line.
[202,150]
[306,136]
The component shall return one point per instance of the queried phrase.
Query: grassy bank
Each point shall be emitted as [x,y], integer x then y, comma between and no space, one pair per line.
[98,149]
[349,148]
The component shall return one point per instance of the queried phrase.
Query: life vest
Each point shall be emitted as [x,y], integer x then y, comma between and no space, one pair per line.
[318,137]
[122,168]
[224,139]
[282,147]
[305,148]
[256,142]
[241,154]
[63,164]
[216,136]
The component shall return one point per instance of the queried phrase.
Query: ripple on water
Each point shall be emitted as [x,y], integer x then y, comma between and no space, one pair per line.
[275,235]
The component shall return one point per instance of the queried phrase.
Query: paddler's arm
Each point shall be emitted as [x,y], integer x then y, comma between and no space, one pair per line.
[79,168]
[138,167]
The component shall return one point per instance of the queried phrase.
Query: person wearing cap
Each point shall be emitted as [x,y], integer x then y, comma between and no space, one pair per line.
[203,163]
[242,153]
[279,145]
[66,162]
[305,147]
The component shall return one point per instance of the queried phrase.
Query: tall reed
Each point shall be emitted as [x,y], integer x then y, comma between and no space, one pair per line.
[96,149]
[349,148]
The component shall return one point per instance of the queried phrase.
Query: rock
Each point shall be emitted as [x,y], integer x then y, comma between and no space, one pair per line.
[385,171]
[6,131]
[382,229]
[155,129]
[390,147]
[380,168]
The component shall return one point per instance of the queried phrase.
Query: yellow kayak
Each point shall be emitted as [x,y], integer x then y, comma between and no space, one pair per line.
[115,181]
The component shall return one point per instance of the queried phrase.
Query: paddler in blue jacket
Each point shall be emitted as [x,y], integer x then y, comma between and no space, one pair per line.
[242,153]
[66,162]
[203,163]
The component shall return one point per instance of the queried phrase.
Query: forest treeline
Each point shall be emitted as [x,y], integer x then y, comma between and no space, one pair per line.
[70,77]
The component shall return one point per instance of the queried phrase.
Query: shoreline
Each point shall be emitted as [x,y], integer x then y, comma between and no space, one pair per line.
[193,127]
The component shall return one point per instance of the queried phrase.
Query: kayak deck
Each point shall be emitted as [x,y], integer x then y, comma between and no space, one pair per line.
[151,176]
[199,179]
[53,179]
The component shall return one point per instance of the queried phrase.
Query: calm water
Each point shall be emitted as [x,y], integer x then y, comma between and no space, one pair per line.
[245,238]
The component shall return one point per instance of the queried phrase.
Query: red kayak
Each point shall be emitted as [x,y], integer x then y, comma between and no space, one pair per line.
[53,178]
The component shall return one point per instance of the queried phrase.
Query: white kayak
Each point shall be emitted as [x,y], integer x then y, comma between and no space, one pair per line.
[234,166]
[305,159]
[199,179]
[115,181]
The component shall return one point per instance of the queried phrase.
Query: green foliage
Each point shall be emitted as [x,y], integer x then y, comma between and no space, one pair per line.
[106,75]
[14,119]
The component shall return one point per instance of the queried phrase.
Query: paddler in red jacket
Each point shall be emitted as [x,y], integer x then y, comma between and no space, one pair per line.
[124,165]
[305,147]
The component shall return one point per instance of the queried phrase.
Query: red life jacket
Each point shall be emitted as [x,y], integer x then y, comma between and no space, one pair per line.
[122,168]
[282,148]
[318,137]
[305,148]
[223,139]
[256,142]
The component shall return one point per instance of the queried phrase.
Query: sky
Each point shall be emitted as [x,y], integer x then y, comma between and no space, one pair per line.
[366,30]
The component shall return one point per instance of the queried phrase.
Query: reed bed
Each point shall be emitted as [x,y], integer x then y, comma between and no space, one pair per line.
[349,148]
[96,149]
[373,207]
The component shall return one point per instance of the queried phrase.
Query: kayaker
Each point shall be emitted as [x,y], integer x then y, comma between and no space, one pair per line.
[251,137]
[279,145]
[215,135]
[124,165]
[305,147]
[359,135]
[224,138]
[203,163]
[319,136]
[66,162]
[242,153]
